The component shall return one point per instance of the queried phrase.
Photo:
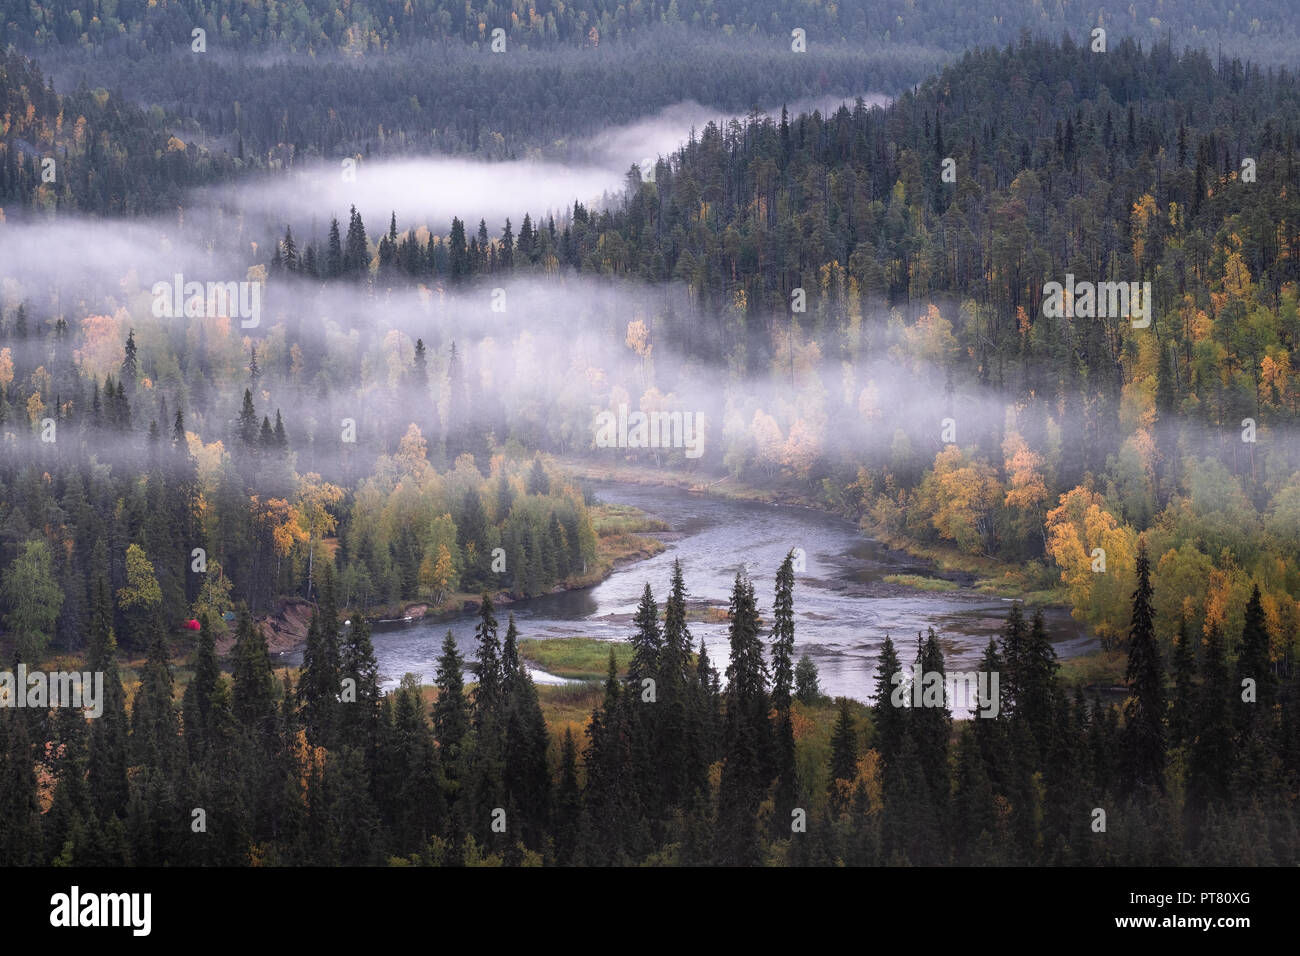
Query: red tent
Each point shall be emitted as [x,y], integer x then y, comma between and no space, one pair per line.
[191,625]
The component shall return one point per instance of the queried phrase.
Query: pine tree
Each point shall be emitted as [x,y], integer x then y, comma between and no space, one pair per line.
[472,538]
[197,702]
[1014,639]
[510,665]
[334,252]
[1211,764]
[254,691]
[747,738]
[107,761]
[527,776]
[647,642]
[783,687]
[360,716]
[356,251]
[130,364]
[488,698]
[911,824]
[612,816]
[20,810]
[890,721]
[1183,711]
[568,802]
[319,683]
[539,482]
[459,254]
[420,365]
[1253,664]
[990,733]
[409,786]
[1144,713]
[975,820]
[154,725]
[807,688]
[931,723]
[1039,684]
[844,758]
[676,746]
[248,421]
[675,627]
[451,718]
[506,256]
[281,438]
[290,251]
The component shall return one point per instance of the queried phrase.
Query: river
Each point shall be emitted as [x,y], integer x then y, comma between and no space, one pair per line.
[843,606]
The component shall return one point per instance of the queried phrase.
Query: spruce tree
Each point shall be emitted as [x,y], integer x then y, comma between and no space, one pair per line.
[783,688]
[360,712]
[130,364]
[647,641]
[511,668]
[107,760]
[248,421]
[568,802]
[254,691]
[1182,713]
[451,718]
[334,252]
[527,776]
[197,702]
[807,688]
[931,723]
[1253,664]
[747,738]
[975,820]
[675,628]
[1014,638]
[890,721]
[1144,714]
[1211,764]
[409,784]
[989,727]
[844,758]
[609,801]
[154,724]
[319,682]
[488,698]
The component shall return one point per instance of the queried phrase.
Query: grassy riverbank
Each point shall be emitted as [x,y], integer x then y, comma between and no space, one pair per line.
[1032,582]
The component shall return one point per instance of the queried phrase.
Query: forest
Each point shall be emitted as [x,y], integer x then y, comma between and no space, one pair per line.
[1078,434]
[670,767]
[359,27]
[842,276]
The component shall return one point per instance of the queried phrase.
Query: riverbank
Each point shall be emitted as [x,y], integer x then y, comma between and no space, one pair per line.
[1032,583]
[623,537]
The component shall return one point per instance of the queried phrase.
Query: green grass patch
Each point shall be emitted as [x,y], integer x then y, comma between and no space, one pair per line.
[1034,583]
[921,582]
[610,519]
[1097,669]
[577,658]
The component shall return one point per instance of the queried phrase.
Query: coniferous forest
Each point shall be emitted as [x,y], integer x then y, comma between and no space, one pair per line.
[340,344]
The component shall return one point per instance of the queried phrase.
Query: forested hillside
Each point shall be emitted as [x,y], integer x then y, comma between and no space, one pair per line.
[379,24]
[1081,169]
[366,409]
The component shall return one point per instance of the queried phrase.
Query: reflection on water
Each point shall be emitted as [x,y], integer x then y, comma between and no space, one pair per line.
[843,607]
